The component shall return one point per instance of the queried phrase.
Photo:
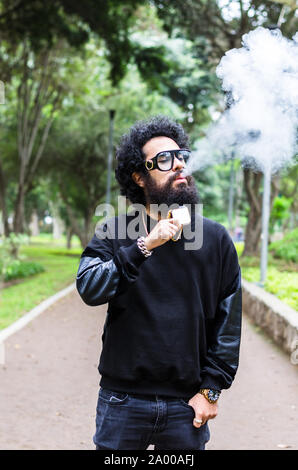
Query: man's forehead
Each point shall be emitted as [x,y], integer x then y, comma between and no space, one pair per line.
[158,144]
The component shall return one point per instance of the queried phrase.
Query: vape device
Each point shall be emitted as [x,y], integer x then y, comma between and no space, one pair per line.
[181,214]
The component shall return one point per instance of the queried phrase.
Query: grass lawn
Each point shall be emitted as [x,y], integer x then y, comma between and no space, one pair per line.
[60,271]
[281,280]
[61,267]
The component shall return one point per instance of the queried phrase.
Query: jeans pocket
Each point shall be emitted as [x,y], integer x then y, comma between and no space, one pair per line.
[184,402]
[112,397]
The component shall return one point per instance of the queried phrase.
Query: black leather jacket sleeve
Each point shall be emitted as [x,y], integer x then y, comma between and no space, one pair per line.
[102,272]
[222,359]
[97,281]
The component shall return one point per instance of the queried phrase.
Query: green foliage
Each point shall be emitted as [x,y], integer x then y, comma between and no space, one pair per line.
[281,279]
[43,22]
[22,297]
[239,248]
[220,24]
[287,248]
[121,57]
[76,154]
[12,264]
[280,211]
[10,246]
[283,284]
[212,184]
[20,269]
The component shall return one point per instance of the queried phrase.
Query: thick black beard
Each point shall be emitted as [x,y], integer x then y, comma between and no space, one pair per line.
[182,194]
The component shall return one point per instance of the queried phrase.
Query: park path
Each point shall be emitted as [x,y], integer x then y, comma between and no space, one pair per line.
[49,386]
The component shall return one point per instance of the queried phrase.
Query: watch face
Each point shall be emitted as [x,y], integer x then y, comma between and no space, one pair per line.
[213,395]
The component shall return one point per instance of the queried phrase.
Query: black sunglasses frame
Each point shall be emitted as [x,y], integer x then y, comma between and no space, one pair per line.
[152,164]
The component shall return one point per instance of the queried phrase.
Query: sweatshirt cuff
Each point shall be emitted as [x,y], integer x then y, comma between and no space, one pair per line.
[212,383]
[128,259]
[134,255]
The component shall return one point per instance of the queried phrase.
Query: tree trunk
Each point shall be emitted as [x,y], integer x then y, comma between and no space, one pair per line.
[58,223]
[3,203]
[87,228]
[33,225]
[252,183]
[84,233]
[252,232]
[18,221]
[33,129]
[69,234]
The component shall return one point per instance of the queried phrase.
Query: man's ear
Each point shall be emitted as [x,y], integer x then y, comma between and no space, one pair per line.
[138,179]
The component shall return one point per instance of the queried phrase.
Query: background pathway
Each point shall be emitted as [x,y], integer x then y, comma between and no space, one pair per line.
[49,386]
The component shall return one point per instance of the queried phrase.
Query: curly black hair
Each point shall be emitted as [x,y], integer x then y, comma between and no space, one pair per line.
[130,157]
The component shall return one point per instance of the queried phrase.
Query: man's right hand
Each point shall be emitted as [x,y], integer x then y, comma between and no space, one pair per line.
[163,231]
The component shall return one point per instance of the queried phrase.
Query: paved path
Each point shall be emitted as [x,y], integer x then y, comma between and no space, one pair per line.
[49,385]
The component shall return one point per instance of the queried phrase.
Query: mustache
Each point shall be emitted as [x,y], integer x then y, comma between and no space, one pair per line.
[180,173]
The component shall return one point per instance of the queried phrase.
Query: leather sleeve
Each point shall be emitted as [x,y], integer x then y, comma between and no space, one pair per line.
[223,352]
[97,281]
[105,271]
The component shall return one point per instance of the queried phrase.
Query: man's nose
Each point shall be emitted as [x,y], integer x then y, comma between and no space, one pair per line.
[178,164]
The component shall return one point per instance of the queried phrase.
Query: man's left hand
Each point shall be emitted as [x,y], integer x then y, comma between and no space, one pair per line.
[203,409]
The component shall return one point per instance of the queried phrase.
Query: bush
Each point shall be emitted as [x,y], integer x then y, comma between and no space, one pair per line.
[19,269]
[10,246]
[287,248]
[12,264]
[280,211]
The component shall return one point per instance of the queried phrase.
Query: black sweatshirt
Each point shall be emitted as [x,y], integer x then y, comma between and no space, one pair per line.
[174,319]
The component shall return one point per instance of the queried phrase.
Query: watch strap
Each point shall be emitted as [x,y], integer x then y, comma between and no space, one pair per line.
[210,394]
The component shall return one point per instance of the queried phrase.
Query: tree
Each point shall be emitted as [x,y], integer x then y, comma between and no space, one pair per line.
[3,202]
[289,190]
[36,92]
[252,185]
[8,162]
[39,95]
[38,43]
[215,28]
[75,160]
[73,20]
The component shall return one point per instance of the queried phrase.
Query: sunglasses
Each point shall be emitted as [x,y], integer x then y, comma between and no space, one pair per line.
[164,160]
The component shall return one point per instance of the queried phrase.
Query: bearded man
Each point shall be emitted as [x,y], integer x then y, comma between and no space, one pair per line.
[172,332]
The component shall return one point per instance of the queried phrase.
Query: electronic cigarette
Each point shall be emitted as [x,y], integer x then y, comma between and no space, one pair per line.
[181,215]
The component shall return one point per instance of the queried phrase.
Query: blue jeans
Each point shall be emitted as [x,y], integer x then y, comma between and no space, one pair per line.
[133,422]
